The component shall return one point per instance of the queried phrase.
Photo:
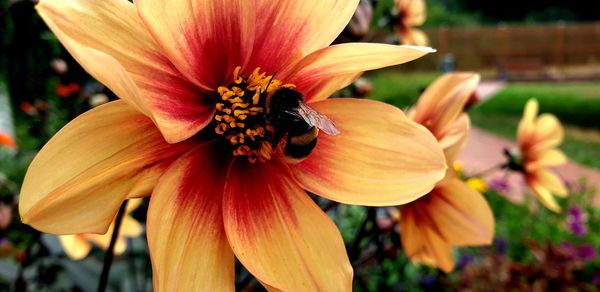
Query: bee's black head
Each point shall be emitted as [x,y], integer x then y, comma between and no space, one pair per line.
[285,98]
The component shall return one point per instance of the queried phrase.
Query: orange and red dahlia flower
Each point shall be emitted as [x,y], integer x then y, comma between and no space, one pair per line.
[196,129]
[538,138]
[452,214]
[411,13]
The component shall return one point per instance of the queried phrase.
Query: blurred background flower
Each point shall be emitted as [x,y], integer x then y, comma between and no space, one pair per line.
[78,246]
[411,13]
[538,139]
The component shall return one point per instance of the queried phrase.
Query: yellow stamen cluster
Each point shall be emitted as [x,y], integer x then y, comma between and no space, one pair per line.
[240,115]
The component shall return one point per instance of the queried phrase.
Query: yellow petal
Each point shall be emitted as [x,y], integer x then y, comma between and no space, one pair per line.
[78,180]
[120,246]
[186,238]
[548,132]
[110,41]
[102,240]
[133,204]
[414,37]
[279,234]
[75,246]
[551,182]
[461,214]
[552,157]
[381,158]
[130,227]
[544,195]
[315,71]
[526,125]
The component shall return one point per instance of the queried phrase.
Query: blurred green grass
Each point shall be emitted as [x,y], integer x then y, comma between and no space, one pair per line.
[577,105]
[573,103]
[398,88]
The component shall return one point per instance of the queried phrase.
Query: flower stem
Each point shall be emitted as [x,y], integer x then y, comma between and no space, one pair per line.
[487,171]
[108,257]
[354,249]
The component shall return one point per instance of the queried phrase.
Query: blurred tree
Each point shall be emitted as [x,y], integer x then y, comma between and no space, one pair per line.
[533,10]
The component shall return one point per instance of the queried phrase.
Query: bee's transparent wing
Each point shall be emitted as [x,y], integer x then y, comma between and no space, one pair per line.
[318,120]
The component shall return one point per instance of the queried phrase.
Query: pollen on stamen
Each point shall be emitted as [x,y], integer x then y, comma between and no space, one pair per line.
[240,114]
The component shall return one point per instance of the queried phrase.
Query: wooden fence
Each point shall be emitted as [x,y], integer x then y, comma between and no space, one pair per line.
[554,45]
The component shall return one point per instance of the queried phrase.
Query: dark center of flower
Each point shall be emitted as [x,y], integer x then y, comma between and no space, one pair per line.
[241,114]
[515,160]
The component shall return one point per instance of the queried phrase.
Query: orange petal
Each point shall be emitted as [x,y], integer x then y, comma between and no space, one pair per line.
[186,238]
[287,30]
[78,180]
[380,158]
[443,102]
[438,249]
[461,214]
[206,39]
[271,226]
[110,41]
[412,238]
[75,246]
[456,138]
[421,237]
[315,71]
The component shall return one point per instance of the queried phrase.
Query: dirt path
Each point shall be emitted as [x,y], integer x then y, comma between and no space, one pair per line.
[487,88]
[485,150]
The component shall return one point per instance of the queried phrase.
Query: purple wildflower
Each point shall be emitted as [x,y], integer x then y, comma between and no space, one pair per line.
[576,221]
[499,184]
[587,252]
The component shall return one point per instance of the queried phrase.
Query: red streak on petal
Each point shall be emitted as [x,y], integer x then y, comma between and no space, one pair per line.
[202,180]
[252,191]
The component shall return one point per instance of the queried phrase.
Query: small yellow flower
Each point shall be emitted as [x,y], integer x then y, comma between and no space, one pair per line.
[458,167]
[538,138]
[477,184]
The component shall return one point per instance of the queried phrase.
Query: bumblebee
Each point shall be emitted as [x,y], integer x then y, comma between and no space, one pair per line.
[295,121]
